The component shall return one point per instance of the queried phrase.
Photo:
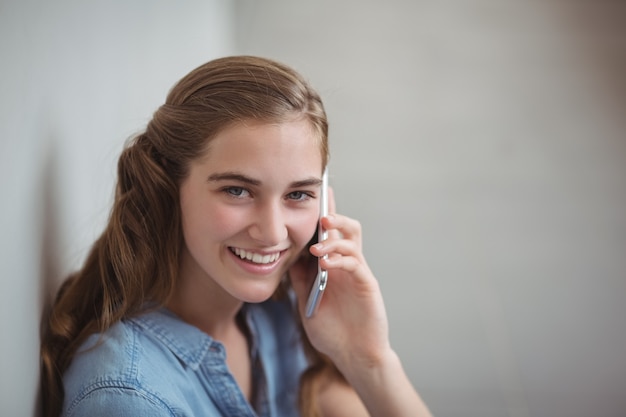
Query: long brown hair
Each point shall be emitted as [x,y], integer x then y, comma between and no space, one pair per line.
[134,263]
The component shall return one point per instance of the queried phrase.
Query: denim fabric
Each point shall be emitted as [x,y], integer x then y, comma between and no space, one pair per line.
[158,365]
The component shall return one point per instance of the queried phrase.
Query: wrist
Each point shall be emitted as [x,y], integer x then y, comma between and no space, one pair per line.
[384,387]
[370,365]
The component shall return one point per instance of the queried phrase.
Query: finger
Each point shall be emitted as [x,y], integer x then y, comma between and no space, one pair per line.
[343,226]
[332,247]
[332,206]
[332,209]
[348,264]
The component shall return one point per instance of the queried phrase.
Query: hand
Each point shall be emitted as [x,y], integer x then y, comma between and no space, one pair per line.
[350,325]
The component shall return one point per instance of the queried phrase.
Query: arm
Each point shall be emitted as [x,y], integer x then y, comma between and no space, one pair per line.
[351,327]
[385,389]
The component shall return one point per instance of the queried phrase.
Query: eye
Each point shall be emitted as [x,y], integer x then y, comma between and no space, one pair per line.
[236,192]
[299,196]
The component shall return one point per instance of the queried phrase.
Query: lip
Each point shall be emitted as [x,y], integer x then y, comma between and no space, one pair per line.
[257,268]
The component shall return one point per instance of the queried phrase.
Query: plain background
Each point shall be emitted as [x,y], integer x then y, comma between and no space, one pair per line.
[481,143]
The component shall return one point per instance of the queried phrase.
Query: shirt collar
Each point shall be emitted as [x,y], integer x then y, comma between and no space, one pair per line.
[187,342]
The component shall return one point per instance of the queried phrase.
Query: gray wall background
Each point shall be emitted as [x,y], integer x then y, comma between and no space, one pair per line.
[481,143]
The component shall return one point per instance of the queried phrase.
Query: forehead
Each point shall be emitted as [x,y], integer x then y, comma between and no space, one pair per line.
[263,146]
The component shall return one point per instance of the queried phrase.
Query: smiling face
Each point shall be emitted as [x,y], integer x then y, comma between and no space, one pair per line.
[248,209]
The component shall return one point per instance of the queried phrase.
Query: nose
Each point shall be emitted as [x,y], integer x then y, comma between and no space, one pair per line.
[269,227]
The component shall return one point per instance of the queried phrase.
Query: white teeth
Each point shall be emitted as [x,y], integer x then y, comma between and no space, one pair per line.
[257,258]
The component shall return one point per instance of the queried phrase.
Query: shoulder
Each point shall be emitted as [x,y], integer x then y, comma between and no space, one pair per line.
[105,377]
[130,369]
[107,400]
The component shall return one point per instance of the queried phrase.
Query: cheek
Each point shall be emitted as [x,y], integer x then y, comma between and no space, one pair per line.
[221,222]
[205,222]
[306,229]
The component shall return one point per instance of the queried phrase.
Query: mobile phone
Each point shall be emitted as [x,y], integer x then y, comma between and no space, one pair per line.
[319,285]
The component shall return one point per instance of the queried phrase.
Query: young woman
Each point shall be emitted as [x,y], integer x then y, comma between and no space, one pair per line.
[190,302]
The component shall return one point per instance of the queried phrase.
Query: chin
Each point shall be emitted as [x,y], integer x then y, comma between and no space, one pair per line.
[256,293]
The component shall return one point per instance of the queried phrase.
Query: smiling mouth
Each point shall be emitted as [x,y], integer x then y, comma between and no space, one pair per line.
[256,258]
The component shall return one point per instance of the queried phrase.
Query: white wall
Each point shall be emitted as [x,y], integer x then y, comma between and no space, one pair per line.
[77,79]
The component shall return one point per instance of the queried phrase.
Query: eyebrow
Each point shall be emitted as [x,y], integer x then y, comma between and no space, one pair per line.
[235,176]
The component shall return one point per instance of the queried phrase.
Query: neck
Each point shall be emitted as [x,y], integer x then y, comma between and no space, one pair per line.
[200,301]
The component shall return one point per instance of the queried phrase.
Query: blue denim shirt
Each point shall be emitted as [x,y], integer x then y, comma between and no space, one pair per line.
[158,365]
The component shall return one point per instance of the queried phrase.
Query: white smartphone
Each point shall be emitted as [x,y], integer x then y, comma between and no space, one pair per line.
[315,296]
